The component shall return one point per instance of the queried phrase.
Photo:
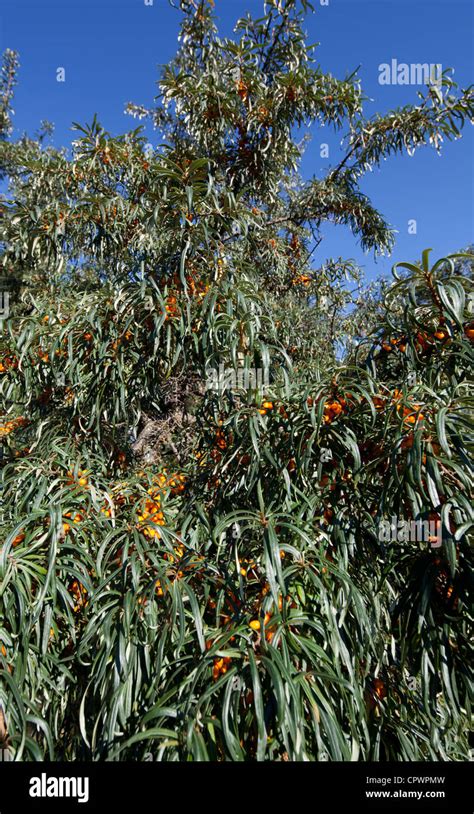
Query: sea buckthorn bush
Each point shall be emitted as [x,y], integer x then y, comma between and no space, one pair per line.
[197,573]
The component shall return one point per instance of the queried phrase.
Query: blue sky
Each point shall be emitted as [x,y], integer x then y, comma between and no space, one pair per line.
[111,50]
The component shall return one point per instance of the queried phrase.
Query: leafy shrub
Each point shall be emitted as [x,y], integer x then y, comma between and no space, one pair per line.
[195,573]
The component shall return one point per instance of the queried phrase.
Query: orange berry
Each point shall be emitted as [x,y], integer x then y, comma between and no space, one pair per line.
[19,538]
[380,688]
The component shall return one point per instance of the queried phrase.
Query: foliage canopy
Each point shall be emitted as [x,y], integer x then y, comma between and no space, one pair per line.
[199,574]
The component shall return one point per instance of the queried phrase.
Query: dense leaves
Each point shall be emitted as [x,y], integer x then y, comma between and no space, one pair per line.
[196,572]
